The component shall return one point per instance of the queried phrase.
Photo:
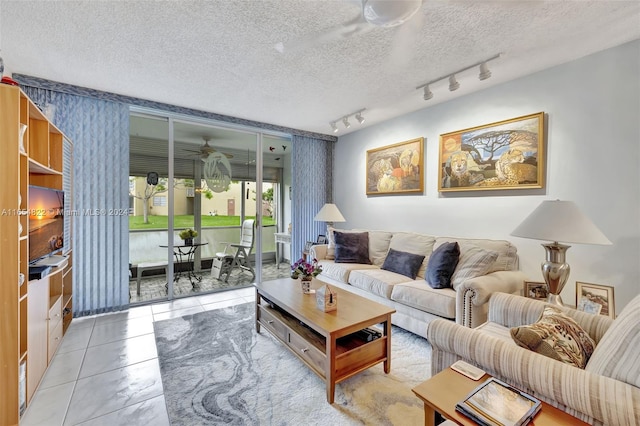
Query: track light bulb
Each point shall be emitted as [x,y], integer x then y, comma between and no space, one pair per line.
[360,118]
[428,94]
[346,123]
[334,127]
[453,83]
[484,72]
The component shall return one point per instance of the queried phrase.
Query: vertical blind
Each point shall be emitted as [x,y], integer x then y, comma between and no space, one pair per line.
[312,185]
[99,130]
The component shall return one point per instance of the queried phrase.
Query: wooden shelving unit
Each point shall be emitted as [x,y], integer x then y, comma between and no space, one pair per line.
[34,315]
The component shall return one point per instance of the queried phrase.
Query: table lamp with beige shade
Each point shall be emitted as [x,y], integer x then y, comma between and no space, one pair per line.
[558,221]
[329,213]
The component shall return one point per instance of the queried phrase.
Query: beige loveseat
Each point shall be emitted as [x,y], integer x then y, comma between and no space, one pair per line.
[605,392]
[415,302]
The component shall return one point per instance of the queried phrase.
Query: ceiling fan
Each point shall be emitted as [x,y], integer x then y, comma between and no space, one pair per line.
[373,13]
[205,150]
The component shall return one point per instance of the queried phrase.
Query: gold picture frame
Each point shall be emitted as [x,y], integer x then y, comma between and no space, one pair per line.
[535,290]
[396,169]
[507,154]
[595,293]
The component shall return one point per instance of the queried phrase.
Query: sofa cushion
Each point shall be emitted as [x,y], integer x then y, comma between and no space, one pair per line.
[616,355]
[473,262]
[376,281]
[403,263]
[442,263]
[507,253]
[416,294]
[378,245]
[341,271]
[414,243]
[497,331]
[352,247]
[557,336]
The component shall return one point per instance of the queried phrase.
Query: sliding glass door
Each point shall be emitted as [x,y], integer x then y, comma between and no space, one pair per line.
[212,180]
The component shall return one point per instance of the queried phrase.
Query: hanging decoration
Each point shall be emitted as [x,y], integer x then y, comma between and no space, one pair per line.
[217,172]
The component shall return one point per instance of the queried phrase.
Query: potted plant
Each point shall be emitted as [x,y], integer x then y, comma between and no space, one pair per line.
[305,271]
[188,235]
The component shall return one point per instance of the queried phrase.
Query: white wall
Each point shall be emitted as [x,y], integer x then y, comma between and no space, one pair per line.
[592,108]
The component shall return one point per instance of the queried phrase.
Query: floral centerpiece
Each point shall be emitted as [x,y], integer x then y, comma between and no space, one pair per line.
[305,271]
[188,235]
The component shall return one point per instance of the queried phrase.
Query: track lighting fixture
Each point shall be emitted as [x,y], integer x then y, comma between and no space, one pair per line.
[485,73]
[345,120]
[428,94]
[453,83]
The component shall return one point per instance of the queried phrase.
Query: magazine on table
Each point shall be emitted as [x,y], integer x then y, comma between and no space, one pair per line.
[495,403]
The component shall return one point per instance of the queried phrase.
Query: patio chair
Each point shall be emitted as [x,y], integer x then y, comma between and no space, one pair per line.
[236,255]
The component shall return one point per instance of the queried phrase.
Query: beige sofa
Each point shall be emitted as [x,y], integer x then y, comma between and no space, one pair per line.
[415,302]
[605,392]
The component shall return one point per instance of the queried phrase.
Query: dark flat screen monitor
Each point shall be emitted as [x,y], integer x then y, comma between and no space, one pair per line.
[46,222]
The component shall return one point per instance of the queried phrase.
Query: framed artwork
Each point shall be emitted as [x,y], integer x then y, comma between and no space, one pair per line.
[508,154]
[535,290]
[396,169]
[589,294]
[321,239]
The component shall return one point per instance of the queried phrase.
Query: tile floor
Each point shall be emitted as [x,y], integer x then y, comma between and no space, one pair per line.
[106,370]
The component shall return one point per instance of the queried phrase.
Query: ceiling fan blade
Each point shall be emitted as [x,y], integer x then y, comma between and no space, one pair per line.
[348,29]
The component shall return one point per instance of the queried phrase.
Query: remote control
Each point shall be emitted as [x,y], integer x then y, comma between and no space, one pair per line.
[466,369]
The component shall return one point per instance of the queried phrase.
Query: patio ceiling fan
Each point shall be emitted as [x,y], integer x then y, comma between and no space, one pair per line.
[205,150]
[373,14]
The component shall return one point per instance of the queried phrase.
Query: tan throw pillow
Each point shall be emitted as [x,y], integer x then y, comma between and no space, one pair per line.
[557,336]
[473,262]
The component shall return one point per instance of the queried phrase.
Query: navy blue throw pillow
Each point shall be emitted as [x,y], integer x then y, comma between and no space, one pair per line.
[442,263]
[352,247]
[403,263]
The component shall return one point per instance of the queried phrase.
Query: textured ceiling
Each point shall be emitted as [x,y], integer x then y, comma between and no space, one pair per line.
[219,55]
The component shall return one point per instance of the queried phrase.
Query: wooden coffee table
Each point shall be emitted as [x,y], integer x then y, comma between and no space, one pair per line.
[325,342]
[441,393]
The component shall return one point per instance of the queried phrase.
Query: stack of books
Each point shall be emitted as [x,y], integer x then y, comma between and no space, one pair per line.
[495,403]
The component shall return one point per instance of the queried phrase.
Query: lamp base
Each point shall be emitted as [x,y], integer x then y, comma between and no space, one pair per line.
[555,271]
[555,299]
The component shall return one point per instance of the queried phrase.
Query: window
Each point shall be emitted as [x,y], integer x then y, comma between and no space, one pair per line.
[160,201]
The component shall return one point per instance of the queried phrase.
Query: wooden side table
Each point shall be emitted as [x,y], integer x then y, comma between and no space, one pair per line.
[441,393]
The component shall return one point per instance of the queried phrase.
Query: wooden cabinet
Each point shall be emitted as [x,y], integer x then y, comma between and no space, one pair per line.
[31,154]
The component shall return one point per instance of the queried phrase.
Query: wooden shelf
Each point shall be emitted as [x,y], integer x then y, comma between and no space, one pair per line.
[25,333]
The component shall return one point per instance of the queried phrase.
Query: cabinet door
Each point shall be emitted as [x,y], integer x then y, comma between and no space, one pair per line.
[37,314]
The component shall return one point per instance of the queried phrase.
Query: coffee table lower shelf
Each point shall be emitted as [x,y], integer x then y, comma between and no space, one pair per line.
[335,356]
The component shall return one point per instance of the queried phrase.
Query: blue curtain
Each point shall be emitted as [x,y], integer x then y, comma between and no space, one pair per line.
[99,131]
[312,185]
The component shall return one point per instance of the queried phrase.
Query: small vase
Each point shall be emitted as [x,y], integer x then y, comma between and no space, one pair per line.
[305,282]
[188,241]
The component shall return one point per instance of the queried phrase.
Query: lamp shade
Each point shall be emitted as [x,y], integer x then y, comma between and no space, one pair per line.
[329,213]
[560,221]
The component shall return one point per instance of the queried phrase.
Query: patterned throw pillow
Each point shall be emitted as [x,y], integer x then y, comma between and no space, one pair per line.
[557,336]
[403,263]
[474,262]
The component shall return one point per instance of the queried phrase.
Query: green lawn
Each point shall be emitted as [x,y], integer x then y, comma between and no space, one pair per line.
[186,221]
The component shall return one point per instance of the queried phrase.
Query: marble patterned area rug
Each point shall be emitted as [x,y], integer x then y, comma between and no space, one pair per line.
[217,370]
